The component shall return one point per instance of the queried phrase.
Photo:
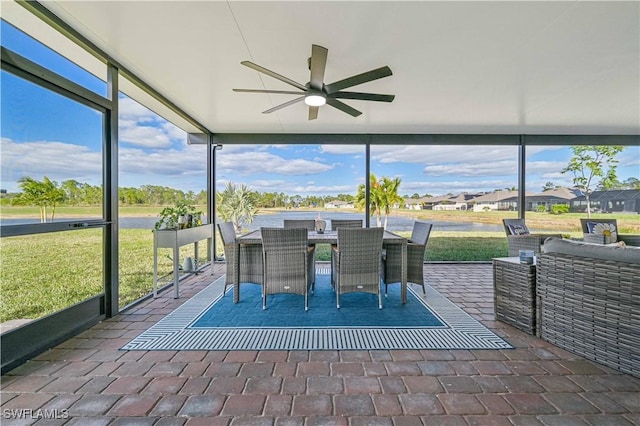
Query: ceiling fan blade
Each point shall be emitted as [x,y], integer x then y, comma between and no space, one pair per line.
[313,112]
[343,107]
[280,92]
[317,66]
[359,79]
[362,96]
[286,104]
[273,74]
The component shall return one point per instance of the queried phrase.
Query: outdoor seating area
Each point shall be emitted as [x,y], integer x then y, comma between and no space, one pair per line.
[358,260]
[519,237]
[605,231]
[587,301]
[536,382]
[320,213]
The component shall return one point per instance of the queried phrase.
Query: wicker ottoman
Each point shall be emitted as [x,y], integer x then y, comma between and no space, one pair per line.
[514,293]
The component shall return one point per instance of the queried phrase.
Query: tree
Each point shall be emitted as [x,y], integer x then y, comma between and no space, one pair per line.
[389,189]
[549,186]
[42,194]
[631,183]
[383,195]
[237,204]
[591,163]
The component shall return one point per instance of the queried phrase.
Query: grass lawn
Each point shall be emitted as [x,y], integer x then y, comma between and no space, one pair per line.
[44,273]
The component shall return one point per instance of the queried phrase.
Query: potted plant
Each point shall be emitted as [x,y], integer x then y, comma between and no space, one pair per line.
[177,217]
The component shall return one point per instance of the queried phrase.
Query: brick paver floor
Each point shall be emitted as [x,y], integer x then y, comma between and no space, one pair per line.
[87,380]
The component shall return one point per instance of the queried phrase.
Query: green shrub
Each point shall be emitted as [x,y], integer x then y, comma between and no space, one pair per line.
[559,209]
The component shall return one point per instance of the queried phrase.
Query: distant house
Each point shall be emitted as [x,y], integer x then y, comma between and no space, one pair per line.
[618,201]
[338,204]
[458,202]
[413,204]
[498,200]
[429,203]
[550,198]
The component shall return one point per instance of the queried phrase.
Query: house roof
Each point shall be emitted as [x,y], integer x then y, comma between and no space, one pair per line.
[562,193]
[496,196]
[624,194]
[458,67]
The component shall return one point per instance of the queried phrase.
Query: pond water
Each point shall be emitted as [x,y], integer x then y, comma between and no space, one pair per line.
[395,223]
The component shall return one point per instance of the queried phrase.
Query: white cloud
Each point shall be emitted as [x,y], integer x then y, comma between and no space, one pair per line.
[144,136]
[291,188]
[247,163]
[57,160]
[139,126]
[62,161]
[455,187]
[130,110]
[442,154]
[494,168]
[342,149]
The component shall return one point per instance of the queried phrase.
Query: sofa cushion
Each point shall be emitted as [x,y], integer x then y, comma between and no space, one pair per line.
[602,228]
[614,252]
[518,229]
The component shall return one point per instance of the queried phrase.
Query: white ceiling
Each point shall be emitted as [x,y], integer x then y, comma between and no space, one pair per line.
[536,67]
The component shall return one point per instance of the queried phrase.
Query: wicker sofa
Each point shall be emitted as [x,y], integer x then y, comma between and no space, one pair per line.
[589,301]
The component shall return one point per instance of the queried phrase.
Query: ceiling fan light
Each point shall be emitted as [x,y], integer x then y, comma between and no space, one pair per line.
[315,100]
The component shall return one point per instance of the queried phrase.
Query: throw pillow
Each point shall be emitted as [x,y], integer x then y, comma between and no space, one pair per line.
[520,229]
[606,229]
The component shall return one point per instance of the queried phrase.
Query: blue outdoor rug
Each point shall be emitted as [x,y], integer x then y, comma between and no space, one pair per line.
[284,310]
[210,321]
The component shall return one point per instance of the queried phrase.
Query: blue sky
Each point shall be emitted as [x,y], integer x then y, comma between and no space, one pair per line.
[44,134]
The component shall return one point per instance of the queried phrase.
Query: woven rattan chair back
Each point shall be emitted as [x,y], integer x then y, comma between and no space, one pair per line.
[345,223]
[308,224]
[227,233]
[420,233]
[288,262]
[250,258]
[416,248]
[358,261]
[533,242]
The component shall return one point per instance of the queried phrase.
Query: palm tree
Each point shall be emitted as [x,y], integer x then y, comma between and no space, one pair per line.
[389,196]
[237,204]
[383,194]
[43,194]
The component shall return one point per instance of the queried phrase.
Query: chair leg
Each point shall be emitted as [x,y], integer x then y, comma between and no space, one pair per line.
[264,300]
[379,300]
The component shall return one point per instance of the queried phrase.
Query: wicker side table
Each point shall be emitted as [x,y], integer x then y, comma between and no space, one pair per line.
[514,293]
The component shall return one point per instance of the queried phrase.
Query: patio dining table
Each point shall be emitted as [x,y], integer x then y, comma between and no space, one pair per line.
[327,237]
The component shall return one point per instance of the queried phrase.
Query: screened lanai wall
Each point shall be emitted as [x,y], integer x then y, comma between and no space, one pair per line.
[103,99]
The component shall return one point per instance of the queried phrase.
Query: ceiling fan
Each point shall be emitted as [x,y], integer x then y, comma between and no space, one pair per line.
[315,93]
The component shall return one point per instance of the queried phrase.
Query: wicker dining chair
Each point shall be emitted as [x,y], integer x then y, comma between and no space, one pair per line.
[250,258]
[357,262]
[345,223]
[288,263]
[599,238]
[519,237]
[416,248]
[308,224]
